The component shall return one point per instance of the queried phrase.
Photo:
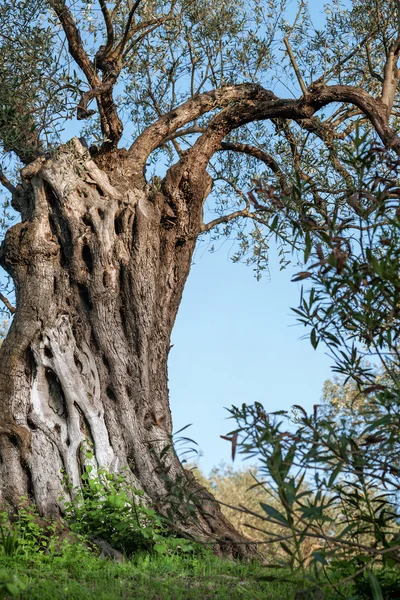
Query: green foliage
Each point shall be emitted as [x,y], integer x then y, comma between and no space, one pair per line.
[10,585]
[335,471]
[76,573]
[182,570]
[327,487]
[26,533]
[31,94]
[244,489]
[383,584]
[9,541]
[353,302]
[182,48]
[109,508]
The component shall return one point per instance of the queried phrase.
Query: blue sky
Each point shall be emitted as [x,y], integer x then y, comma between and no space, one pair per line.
[235,340]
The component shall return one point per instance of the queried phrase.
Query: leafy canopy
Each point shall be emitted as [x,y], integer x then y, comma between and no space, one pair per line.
[292,84]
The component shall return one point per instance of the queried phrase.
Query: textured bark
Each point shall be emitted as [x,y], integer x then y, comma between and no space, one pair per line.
[99,261]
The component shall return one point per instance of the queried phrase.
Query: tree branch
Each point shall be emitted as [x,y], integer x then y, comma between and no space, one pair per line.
[116,7]
[7,303]
[391,72]
[75,44]
[190,171]
[109,24]
[110,123]
[7,183]
[299,110]
[302,5]
[225,219]
[190,110]
[260,155]
[120,52]
[333,70]
[371,69]
[398,19]
[140,38]
[182,133]
[82,112]
[326,133]
[245,212]
[117,54]
[295,66]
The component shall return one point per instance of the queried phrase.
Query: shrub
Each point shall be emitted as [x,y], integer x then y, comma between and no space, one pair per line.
[107,507]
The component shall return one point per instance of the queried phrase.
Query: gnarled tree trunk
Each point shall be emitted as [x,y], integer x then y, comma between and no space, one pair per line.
[99,262]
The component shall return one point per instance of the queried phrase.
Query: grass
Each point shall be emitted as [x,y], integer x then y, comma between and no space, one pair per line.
[35,564]
[77,574]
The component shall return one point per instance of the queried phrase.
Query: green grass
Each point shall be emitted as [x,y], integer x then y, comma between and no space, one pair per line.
[76,574]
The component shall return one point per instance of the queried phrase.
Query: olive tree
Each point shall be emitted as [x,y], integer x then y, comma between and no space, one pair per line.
[178,101]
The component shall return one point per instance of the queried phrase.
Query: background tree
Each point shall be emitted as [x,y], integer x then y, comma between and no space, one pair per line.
[101,253]
[240,491]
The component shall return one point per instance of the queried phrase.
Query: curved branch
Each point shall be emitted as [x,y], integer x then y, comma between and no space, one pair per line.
[182,133]
[5,182]
[191,171]
[303,109]
[260,155]
[190,110]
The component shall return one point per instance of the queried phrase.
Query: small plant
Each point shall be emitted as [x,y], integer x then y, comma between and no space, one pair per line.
[107,507]
[27,531]
[9,541]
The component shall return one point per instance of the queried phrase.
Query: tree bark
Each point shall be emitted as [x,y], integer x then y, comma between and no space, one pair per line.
[99,261]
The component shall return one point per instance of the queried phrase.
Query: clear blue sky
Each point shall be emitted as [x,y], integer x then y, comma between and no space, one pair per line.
[235,340]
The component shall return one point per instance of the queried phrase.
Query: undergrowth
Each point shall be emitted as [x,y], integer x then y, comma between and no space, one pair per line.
[113,546]
[43,560]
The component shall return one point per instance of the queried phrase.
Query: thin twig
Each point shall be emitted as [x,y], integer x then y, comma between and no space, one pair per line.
[182,133]
[127,33]
[295,66]
[260,155]
[225,219]
[302,5]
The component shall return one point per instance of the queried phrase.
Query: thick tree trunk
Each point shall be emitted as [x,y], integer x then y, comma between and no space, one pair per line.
[99,262]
